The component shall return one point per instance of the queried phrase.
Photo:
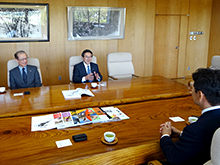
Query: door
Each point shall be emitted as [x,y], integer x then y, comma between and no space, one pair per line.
[166,43]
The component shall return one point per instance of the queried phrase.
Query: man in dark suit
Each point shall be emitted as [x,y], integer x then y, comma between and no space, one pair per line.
[86,71]
[193,146]
[23,76]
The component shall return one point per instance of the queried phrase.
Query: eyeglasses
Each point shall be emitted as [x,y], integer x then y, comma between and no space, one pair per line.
[190,84]
[23,59]
[88,56]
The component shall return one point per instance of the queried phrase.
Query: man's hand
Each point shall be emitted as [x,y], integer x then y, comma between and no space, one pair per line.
[89,77]
[96,75]
[166,128]
[175,132]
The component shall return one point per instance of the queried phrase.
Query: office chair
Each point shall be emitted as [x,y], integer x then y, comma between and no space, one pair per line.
[120,65]
[73,60]
[215,63]
[215,149]
[154,162]
[31,61]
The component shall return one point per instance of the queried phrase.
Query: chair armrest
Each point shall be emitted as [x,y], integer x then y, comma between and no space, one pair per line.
[112,77]
[134,75]
[208,163]
[154,162]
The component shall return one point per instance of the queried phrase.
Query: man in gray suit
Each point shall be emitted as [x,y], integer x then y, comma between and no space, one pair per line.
[23,76]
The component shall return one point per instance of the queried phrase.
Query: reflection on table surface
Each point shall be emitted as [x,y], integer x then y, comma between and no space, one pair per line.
[50,98]
[138,137]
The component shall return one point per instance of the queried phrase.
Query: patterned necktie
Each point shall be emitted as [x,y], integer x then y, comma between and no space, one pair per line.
[89,71]
[24,75]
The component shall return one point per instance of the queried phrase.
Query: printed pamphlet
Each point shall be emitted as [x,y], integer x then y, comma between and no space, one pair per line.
[76,94]
[74,118]
[115,113]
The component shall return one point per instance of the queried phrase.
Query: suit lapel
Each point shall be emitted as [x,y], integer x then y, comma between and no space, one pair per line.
[91,65]
[83,69]
[29,72]
[93,68]
[18,72]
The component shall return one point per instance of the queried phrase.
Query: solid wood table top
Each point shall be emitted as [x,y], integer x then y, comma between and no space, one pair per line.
[138,137]
[50,98]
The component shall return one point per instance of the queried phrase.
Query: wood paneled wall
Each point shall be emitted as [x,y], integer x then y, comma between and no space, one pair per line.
[214,44]
[139,38]
[200,20]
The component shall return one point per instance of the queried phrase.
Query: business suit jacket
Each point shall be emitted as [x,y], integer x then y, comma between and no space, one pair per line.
[79,72]
[16,79]
[193,146]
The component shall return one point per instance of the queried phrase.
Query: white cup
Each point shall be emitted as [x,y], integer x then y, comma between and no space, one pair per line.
[192,119]
[2,89]
[94,85]
[109,136]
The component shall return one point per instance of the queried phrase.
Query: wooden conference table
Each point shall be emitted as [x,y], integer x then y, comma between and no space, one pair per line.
[138,137]
[49,99]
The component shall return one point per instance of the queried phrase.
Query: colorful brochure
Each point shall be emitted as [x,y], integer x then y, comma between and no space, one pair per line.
[74,118]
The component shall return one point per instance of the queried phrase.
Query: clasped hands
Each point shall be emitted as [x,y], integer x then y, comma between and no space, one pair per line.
[91,76]
[166,128]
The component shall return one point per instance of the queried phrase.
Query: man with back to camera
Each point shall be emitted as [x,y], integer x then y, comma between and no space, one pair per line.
[193,146]
[23,76]
[86,71]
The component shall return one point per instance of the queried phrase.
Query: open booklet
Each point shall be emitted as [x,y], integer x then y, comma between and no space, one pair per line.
[114,113]
[75,118]
[41,123]
[77,93]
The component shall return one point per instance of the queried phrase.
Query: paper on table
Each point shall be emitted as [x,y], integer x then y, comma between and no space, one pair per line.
[18,94]
[76,94]
[115,113]
[41,123]
[63,143]
[176,119]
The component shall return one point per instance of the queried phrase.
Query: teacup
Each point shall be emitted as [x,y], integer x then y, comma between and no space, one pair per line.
[2,89]
[94,85]
[109,136]
[192,119]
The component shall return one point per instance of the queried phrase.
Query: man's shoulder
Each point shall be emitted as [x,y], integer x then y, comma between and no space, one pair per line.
[79,64]
[14,69]
[210,116]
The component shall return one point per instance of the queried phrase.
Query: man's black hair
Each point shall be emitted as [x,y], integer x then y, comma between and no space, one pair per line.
[19,52]
[86,51]
[208,81]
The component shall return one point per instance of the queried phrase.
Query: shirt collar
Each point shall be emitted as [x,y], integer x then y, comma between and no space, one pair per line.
[86,65]
[211,108]
[20,68]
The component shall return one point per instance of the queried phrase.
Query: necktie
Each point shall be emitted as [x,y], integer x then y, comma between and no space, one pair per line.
[24,76]
[89,71]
